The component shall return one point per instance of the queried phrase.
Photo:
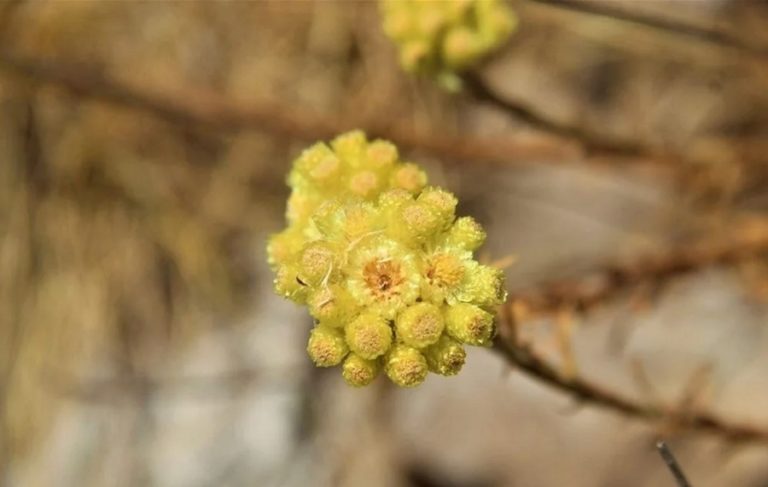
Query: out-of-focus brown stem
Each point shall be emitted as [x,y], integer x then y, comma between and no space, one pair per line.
[527,361]
[209,110]
[739,242]
[622,12]
[524,358]
[742,241]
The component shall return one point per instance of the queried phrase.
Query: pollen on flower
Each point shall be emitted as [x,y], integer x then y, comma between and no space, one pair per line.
[326,346]
[369,335]
[359,372]
[382,264]
[446,357]
[420,325]
[469,324]
[406,366]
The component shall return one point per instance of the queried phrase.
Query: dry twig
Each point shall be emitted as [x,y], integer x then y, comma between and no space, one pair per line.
[743,241]
[738,243]
[209,110]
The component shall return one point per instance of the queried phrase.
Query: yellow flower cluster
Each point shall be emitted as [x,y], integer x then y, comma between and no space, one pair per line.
[441,38]
[383,265]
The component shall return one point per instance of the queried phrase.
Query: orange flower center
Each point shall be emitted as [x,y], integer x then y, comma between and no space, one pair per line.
[444,270]
[383,278]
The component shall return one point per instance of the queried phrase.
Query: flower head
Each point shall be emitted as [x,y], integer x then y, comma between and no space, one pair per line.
[382,264]
[442,38]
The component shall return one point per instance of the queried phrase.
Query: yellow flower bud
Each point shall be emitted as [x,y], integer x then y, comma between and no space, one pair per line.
[350,147]
[288,285]
[381,155]
[419,325]
[484,286]
[469,324]
[318,262]
[446,357]
[391,201]
[406,366]
[409,177]
[461,48]
[359,372]
[415,223]
[366,184]
[465,233]
[332,305]
[317,165]
[443,202]
[369,335]
[326,346]
[439,38]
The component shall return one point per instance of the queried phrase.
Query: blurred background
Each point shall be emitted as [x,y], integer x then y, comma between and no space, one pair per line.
[143,151]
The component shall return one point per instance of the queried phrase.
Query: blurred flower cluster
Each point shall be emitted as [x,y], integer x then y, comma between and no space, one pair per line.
[383,264]
[442,38]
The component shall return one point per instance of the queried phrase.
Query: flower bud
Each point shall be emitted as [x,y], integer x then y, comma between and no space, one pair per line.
[409,177]
[391,201]
[381,155]
[446,357]
[326,346]
[469,324]
[415,223]
[332,305]
[365,184]
[317,262]
[359,372]
[466,234]
[443,202]
[406,366]
[420,325]
[485,286]
[350,147]
[369,335]
[461,47]
[288,285]
[317,165]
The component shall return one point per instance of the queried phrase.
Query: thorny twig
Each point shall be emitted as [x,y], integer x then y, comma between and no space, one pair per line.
[740,242]
[616,11]
[526,360]
[744,241]
[212,111]
[592,142]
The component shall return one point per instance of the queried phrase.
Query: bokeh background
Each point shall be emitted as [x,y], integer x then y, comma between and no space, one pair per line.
[143,150]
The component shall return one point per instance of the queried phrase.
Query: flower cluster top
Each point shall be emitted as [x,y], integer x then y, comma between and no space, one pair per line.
[441,38]
[383,265]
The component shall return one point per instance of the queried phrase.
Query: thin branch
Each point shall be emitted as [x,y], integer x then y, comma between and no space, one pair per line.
[525,359]
[212,111]
[671,461]
[744,240]
[738,243]
[593,143]
[618,12]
